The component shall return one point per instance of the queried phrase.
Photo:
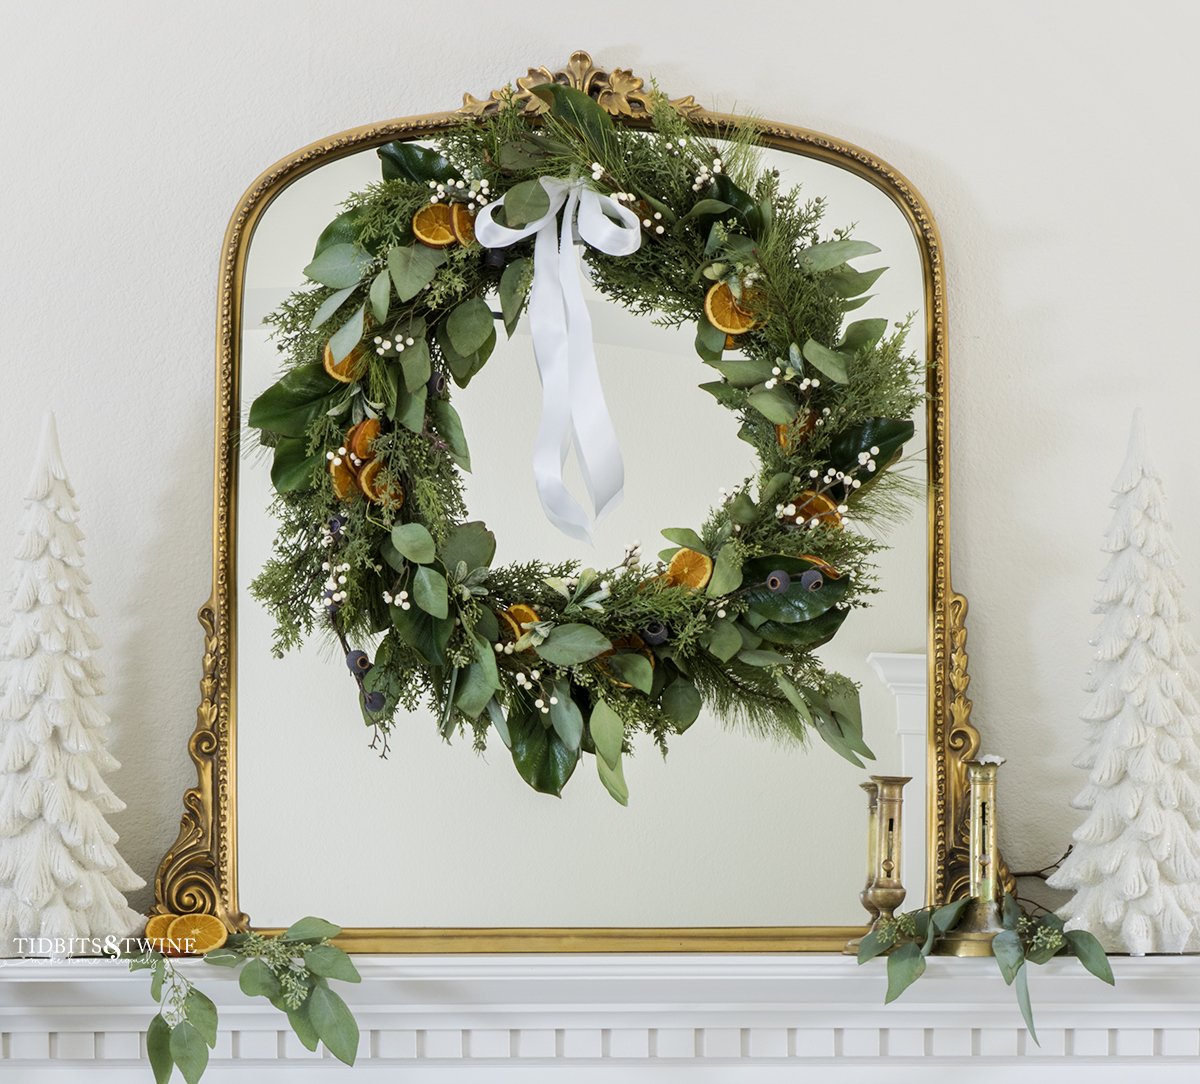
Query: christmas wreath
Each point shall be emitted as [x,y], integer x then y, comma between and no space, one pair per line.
[376,545]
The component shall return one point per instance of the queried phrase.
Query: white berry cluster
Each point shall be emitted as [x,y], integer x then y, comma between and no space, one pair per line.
[384,345]
[675,146]
[654,223]
[705,174]
[633,555]
[337,457]
[400,599]
[477,193]
[335,583]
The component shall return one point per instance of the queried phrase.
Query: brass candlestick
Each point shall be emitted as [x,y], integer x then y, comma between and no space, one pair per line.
[981,920]
[885,888]
[872,789]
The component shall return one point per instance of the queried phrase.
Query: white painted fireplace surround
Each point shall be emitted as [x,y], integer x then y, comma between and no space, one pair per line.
[629,1019]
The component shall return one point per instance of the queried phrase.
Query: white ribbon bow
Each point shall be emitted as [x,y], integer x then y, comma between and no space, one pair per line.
[573,407]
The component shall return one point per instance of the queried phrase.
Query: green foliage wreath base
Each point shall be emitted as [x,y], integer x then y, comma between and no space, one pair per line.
[825,405]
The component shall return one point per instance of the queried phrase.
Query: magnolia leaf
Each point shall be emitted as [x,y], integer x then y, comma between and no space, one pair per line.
[829,254]
[633,669]
[329,306]
[189,1051]
[828,362]
[1091,954]
[579,111]
[416,366]
[727,573]
[292,403]
[471,544]
[258,980]
[339,266]
[412,268]
[431,592]
[469,325]
[681,701]
[333,1023]
[1023,1000]
[608,732]
[414,542]
[806,634]
[524,203]
[613,779]
[862,335]
[565,716]
[343,230]
[904,967]
[348,336]
[381,296]
[403,161]
[889,435]
[331,962]
[540,756]
[293,468]
[571,644]
[795,604]
[201,1013]
[158,1049]
[774,404]
[1009,953]
[514,289]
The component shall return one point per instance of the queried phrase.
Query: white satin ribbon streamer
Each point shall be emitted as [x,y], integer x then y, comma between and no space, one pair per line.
[573,406]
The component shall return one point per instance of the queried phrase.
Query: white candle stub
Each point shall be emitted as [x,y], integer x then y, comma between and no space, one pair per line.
[993,759]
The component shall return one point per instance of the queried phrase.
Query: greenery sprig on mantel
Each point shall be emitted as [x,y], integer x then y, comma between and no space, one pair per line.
[292,970]
[909,938]
[375,543]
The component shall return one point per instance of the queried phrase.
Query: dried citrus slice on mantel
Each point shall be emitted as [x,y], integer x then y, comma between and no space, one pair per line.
[156,929]
[197,934]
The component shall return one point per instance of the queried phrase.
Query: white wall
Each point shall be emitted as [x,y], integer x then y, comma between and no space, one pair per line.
[1055,144]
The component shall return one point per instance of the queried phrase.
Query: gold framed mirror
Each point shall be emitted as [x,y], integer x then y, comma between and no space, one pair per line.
[201,870]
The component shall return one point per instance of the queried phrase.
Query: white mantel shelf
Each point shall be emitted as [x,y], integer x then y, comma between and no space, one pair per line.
[583,1019]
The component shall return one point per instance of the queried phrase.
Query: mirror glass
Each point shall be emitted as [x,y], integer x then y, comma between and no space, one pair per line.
[727,830]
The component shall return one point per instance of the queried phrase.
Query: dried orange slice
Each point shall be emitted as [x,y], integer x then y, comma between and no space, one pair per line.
[462,223]
[517,615]
[361,436]
[156,929]
[788,434]
[433,225]
[724,311]
[377,490]
[731,342]
[196,934]
[688,568]
[345,483]
[811,505]
[350,368]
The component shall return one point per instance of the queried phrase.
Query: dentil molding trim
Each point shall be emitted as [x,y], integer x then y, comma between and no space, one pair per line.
[602,1019]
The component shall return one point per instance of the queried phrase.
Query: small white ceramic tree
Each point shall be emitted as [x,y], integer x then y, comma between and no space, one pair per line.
[1135,866]
[60,873]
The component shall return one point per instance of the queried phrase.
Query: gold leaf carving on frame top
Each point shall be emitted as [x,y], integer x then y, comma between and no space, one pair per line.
[618,92]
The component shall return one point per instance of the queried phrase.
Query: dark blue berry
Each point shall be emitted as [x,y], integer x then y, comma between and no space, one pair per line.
[495,258]
[374,701]
[335,526]
[812,580]
[655,633]
[437,384]
[778,582]
[358,661]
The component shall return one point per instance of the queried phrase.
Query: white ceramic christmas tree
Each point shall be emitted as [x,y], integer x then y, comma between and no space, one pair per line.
[1135,866]
[60,873]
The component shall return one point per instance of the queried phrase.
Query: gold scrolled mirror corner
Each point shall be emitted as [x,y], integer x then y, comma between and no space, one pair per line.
[730,843]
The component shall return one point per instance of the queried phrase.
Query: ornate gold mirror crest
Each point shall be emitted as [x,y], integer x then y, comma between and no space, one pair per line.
[199,872]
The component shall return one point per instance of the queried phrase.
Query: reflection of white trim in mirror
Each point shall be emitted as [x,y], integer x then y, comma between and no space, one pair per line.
[907,678]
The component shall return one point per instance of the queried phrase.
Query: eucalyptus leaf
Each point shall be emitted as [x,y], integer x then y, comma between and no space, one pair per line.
[710,341]
[681,701]
[333,1023]
[427,636]
[724,641]
[1022,978]
[608,732]
[514,289]
[157,977]
[201,1013]
[875,943]
[412,268]
[794,697]
[223,957]
[685,536]
[774,404]
[416,365]
[904,967]
[302,1025]
[449,425]
[310,928]
[405,161]
[827,362]
[330,305]
[571,644]
[411,410]
[762,658]
[727,573]
[1010,912]
[744,374]
[189,1051]
[431,592]
[414,542]
[632,668]
[1009,953]
[565,716]
[471,544]
[339,266]
[829,254]
[464,366]
[158,1049]
[725,394]
[476,688]
[524,203]
[348,336]
[381,296]
[613,778]
[946,917]
[742,509]
[862,335]
[496,715]
[331,962]
[469,325]
[258,980]
[1090,954]
[846,282]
